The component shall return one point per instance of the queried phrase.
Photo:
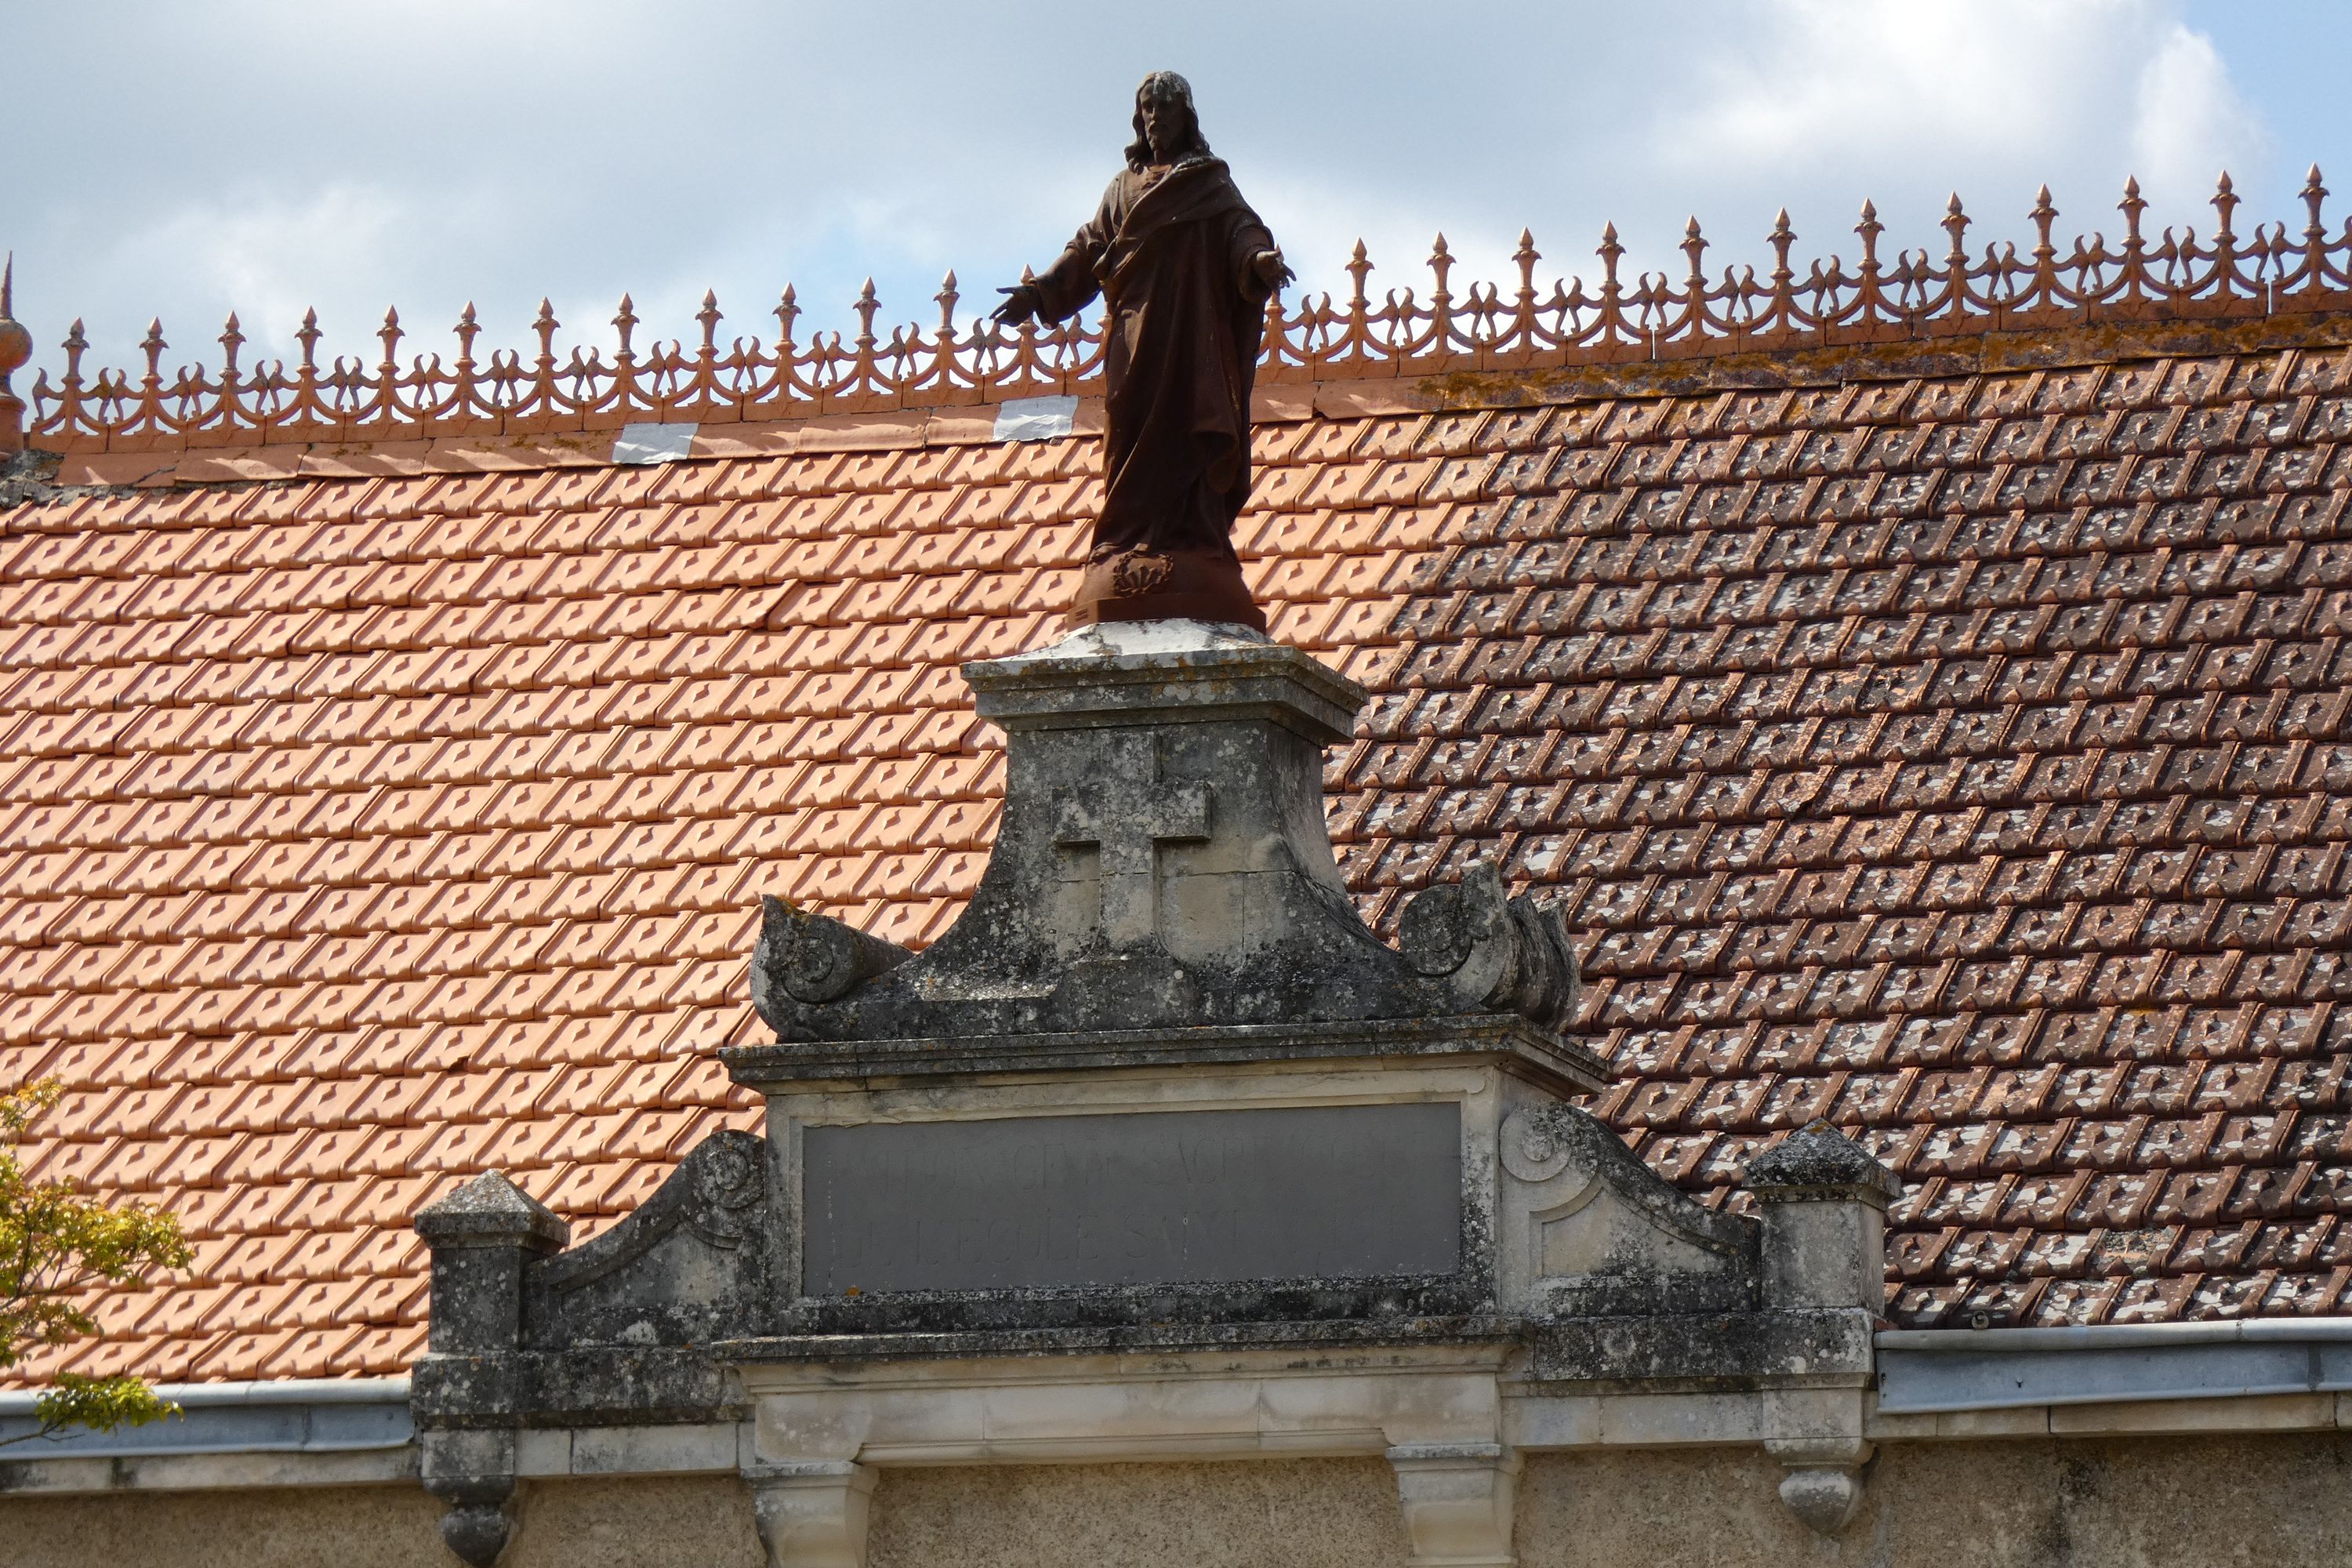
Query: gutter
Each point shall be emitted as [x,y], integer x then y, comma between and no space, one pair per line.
[1936,1371]
[290,1416]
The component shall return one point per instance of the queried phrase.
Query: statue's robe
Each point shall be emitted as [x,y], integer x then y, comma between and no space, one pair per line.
[1171,255]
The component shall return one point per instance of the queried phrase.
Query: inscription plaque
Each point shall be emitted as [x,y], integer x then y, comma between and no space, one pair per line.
[1143,1198]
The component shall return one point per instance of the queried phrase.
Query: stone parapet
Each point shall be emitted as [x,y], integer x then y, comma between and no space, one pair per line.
[1162,1153]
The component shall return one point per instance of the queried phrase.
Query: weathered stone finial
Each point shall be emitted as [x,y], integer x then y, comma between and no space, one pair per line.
[1824,1497]
[1819,1162]
[15,349]
[812,1513]
[482,1235]
[486,1230]
[490,1207]
[473,1472]
[1824,1199]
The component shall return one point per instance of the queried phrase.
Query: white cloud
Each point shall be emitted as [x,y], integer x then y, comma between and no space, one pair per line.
[1819,81]
[1819,103]
[2189,122]
[411,153]
[274,257]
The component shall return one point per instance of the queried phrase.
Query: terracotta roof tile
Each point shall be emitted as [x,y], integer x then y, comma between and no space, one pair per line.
[1960,760]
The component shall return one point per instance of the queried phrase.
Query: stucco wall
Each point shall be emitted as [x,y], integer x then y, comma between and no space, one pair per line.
[694,1522]
[2086,1503]
[698,1522]
[347,1527]
[2279,1501]
[1319,1513]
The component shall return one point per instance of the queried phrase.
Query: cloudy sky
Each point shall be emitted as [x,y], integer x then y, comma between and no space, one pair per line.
[264,155]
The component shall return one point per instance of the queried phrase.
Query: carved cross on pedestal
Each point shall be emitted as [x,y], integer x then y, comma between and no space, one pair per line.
[1128,845]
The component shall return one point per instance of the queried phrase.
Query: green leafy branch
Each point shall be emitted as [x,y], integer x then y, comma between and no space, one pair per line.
[55,1244]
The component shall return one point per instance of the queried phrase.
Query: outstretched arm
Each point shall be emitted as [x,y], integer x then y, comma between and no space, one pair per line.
[1061,293]
[1065,289]
[1258,268]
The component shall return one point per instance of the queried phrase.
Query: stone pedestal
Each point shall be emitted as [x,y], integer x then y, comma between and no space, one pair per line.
[1159,1092]
[1162,864]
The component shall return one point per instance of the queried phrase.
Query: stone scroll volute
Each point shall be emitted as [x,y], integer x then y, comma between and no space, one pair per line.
[1586,1227]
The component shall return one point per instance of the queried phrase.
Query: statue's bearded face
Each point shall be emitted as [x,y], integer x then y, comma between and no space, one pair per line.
[1167,125]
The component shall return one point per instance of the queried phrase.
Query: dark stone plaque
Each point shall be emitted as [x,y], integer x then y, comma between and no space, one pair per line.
[1345,1191]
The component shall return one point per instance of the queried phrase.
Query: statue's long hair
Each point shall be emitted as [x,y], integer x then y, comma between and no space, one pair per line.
[1168,86]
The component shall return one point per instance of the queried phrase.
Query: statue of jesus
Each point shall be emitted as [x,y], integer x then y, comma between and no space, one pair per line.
[1185,269]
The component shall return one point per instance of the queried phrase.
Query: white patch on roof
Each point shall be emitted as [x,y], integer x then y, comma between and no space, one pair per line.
[655,443]
[1036,418]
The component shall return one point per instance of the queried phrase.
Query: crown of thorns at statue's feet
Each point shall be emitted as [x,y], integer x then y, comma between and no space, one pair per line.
[1140,582]
[1138,573]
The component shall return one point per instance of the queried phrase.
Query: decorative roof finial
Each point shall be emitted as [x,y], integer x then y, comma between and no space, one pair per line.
[15,348]
[1412,332]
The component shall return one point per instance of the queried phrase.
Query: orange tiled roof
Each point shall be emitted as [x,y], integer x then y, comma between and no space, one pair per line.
[1956,756]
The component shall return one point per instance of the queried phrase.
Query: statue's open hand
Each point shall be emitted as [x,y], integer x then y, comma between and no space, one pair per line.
[1272,271]
[1022,303]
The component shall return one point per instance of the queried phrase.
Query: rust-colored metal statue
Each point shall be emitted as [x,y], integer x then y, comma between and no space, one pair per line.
[1185,267]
